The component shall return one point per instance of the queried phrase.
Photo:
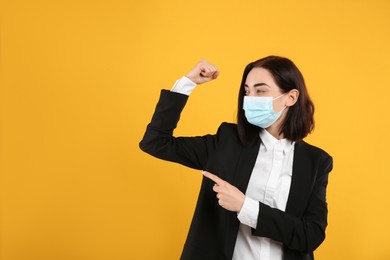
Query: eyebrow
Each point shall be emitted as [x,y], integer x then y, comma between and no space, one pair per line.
[258,85]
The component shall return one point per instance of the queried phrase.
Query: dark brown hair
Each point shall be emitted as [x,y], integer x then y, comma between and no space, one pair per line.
[299,121]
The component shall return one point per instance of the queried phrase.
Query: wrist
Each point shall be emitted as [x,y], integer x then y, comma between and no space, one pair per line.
[241,203]
[191,78]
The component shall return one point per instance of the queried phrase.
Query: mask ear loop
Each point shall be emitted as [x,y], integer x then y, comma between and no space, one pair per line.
[279,96]
[283,109]
[284,105]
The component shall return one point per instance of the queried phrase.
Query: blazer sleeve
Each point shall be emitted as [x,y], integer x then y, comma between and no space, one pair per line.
[301,233]
[159,141]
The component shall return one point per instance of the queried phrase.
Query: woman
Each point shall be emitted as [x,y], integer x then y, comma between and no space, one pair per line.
[263,195]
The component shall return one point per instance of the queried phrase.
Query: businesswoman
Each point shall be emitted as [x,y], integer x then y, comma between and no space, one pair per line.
[263,195]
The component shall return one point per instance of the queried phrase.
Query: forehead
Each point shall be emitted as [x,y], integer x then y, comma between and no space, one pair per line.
[259,75]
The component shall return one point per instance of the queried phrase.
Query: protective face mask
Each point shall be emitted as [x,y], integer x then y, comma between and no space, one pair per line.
[259,110]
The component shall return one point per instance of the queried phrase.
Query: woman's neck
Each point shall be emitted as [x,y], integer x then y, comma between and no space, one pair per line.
[274,131]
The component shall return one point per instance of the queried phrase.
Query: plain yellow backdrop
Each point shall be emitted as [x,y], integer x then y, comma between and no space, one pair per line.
[79,84]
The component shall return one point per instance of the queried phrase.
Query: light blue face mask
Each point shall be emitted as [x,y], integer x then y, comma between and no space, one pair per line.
[259,110]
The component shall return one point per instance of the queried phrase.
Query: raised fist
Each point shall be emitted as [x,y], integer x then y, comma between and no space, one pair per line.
[203,72]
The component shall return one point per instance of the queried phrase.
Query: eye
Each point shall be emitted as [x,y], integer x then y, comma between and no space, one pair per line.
[246,92]
[259,91]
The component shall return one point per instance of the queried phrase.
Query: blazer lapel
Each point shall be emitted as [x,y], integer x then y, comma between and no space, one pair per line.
[301,180]
[242,174]
[245,165]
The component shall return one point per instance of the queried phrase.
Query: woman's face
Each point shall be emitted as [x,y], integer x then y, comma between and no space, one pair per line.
[260,82]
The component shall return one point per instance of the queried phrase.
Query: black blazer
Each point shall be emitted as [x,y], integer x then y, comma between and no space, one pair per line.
[213,231]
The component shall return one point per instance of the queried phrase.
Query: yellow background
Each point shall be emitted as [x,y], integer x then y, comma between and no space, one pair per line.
[79,83]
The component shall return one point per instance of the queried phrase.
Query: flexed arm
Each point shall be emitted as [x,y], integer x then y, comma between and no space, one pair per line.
[159,140]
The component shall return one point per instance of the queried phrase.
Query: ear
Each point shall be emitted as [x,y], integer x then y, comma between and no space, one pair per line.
[292,97]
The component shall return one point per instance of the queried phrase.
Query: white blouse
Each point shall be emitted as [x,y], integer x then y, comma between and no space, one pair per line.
[269,183]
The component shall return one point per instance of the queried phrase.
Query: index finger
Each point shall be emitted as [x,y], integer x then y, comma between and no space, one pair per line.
[213,177]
